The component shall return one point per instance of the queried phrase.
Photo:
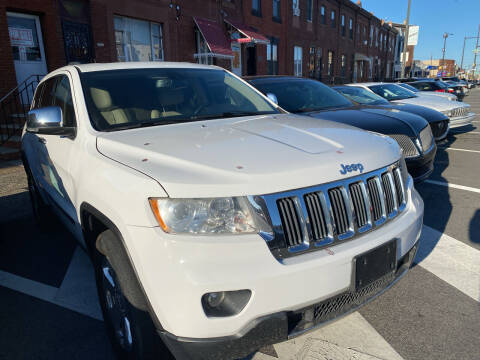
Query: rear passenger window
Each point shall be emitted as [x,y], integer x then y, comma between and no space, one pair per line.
[63,99]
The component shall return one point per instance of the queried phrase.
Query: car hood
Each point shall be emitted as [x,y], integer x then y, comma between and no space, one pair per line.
[246,156]
[376,118]
[432,102]
[428,114]
[438,94]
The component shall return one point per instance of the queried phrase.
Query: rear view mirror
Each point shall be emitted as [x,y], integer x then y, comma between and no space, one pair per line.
[48,121]
[273,98]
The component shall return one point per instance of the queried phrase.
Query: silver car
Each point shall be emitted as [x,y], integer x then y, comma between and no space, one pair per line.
[458,112]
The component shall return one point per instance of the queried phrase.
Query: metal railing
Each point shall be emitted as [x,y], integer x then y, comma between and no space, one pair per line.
[14,107]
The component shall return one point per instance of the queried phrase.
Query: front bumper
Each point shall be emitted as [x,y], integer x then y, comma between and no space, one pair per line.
[421,167]
[279,327]
[176,271]
[462,121]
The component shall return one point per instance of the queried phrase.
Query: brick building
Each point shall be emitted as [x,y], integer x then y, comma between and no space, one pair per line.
[331,40]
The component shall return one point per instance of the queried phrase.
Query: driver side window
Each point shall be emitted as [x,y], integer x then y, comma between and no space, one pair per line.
[63,98]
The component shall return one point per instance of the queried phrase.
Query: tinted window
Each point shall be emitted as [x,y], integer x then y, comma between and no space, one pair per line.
[63,99]
[147,97]
[301,95]
[361,95]
[48,92]
[408,87]
[392,92]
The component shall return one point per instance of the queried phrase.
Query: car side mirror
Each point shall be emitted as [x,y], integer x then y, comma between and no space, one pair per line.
[273,98]
[48,121]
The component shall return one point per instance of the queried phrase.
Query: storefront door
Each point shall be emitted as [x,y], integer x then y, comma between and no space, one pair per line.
[27,45]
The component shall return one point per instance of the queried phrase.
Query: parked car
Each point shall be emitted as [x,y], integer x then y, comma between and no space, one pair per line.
[439,123]
[443,91]
[216,222]
[458,112]
[457,86]
[313,98]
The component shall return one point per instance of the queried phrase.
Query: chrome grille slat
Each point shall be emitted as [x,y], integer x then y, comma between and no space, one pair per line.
[315,217]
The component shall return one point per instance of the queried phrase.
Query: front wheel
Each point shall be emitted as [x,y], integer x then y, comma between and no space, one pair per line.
[130,330]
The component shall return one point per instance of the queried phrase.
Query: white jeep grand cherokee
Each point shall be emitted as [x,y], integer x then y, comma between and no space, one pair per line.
[217,223]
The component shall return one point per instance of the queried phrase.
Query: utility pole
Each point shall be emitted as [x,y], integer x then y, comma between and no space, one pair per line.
[405,39]
[475,56]
[445,36]
[463,51]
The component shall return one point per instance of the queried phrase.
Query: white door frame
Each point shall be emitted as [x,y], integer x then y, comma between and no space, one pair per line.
[39,35]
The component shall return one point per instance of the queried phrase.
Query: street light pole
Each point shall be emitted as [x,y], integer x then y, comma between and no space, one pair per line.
[463,51]
[405,39]
[445,36]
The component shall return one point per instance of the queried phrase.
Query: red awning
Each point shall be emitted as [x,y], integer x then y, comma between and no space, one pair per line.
[215,37]
[250,34]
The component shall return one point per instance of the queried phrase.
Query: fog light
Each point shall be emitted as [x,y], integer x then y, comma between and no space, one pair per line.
[225,303]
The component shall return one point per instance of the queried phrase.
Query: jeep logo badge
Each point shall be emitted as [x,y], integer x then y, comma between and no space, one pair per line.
[352,167]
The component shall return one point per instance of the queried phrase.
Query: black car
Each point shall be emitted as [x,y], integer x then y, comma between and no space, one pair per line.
[439,123]
[438,86]
[312,98]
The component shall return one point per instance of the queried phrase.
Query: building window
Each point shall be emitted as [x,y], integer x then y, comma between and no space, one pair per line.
[296,7]
[276,10]
[322,15]
[381,41]
[376,37]
[350,27]
[371,35]
[257,7]
[319,63]
[297,61]
[309,10]
[333,19]
[138,40]
[344,65]
[311,63]
[330,63]
[272,57]
[343,25]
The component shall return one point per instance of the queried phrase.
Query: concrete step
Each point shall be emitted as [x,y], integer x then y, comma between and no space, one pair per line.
[13,142]
[7,153]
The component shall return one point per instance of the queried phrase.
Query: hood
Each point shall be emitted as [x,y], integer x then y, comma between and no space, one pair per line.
[376,118]
[439,94]
[428,114]
[432,102]
[246,156]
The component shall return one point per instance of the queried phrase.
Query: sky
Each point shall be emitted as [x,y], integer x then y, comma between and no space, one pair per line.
[435,17]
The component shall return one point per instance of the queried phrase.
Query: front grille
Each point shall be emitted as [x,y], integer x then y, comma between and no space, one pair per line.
[359,205]
[439,128]
[426,138]
[290,221]
[459,112]
[339,210]
[311,218]
[407,145]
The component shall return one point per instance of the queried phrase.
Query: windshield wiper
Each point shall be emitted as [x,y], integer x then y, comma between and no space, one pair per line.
[229,114]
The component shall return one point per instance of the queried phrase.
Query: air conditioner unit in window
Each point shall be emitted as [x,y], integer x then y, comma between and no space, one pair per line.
[296,11]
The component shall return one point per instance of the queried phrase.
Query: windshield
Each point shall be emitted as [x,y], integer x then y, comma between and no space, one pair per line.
[302,95]
[131,98]
[409,87]
[392,92]
[361,95]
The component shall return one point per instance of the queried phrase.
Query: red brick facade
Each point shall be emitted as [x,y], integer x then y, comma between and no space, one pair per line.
[361,61]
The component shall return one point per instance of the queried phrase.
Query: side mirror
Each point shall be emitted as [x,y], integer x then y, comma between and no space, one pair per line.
[48,121]
[273,98]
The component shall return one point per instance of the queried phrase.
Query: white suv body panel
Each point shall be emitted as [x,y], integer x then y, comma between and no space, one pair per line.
[116,173]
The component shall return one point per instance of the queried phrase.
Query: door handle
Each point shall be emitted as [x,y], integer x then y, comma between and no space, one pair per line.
[42,140]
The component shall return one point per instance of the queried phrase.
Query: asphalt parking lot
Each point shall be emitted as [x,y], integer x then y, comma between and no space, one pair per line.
[49,309]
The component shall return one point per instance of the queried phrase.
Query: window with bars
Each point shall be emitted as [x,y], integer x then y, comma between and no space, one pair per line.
[297,61]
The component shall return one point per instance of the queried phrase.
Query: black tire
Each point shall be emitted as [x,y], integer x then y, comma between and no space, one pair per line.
[41,211]
[137,341]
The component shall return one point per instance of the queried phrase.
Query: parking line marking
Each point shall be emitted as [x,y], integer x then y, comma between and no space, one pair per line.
[454,186]
[351,337]
[466,133]
[27,286]
[451,260]
[456,149]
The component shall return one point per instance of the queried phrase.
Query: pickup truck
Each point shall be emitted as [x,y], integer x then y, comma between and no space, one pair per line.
[216,222]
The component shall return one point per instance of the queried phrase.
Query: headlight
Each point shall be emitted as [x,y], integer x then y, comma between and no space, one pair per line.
[409,149]
[448,113]
[404,171]
[210,216]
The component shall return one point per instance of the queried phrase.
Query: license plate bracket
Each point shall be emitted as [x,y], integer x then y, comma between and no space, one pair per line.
[374,264]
